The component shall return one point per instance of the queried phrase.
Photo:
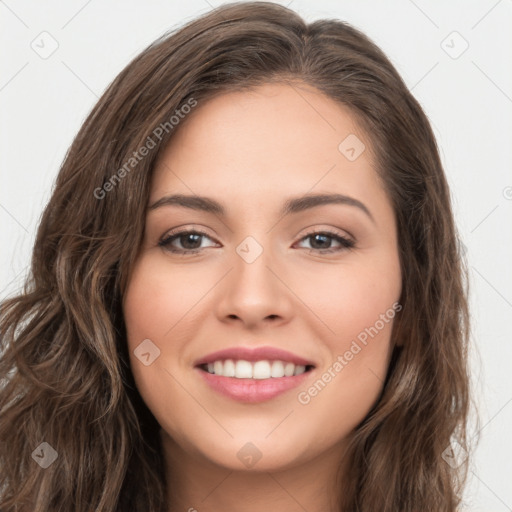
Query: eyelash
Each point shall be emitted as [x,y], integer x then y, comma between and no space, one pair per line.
[346,243]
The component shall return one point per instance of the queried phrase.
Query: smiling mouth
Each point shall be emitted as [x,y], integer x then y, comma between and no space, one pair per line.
[258,370]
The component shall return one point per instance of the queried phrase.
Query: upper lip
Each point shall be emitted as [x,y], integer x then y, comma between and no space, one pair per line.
[254,354]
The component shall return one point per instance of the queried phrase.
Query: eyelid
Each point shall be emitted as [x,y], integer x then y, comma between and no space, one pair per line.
[182,230]
[331,231]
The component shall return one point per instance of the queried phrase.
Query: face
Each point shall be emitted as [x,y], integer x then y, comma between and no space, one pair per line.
[314,286]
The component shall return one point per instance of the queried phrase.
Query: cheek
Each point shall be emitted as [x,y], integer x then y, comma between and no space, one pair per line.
[351,298]
[166,305]
[360,317]
[356,305]
[153,305]
[157,298]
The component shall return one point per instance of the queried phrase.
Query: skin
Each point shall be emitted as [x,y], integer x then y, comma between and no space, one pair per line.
[251,151]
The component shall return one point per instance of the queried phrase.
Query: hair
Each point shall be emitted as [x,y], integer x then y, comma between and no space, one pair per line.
[66,378]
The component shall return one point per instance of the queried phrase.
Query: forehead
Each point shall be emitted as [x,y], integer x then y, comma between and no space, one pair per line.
[273,139]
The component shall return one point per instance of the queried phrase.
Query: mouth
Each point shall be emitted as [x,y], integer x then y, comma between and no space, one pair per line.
[253,375]
[258,370]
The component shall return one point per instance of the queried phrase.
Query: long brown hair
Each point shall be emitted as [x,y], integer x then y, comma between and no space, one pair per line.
[66,379]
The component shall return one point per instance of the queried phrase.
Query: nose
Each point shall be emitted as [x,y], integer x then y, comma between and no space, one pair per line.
[255,293]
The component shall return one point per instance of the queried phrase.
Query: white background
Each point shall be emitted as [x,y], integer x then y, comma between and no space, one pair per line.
[468,100]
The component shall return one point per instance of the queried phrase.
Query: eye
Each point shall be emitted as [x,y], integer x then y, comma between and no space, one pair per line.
[322,241]
[190,241]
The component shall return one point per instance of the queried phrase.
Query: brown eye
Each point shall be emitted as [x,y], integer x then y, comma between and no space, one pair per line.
[190,241]
[322,241]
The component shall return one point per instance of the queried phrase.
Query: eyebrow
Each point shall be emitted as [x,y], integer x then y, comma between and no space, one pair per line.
[291,206]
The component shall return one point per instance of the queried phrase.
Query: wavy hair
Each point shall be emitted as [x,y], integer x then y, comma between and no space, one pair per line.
[66,378]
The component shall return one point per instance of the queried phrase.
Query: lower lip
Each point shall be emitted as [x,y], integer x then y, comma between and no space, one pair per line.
[252,390]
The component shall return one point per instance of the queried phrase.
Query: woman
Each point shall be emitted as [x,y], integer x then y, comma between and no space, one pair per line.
[255,371]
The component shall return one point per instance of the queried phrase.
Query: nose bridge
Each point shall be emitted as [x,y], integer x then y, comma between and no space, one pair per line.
[253,292]
[252,276]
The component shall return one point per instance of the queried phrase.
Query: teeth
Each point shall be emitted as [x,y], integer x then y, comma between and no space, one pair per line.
[289,369]
[217,367]
[257,370]
[229,369]
[261,370]
[243,370]
[277,369]
[299,369]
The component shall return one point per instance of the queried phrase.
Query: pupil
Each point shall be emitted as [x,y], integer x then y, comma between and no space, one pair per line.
[316,237]
[187,239]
